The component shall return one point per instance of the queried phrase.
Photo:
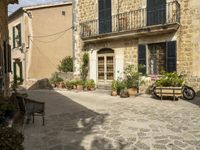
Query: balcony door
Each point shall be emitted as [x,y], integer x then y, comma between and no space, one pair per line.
[105,18]
[105,65]
[156,12]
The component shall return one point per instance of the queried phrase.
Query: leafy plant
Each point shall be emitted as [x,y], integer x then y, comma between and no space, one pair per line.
[121,85]
[69,84]
[80,82]
[90,84]
[11,139]
[132,77]
[85,67]
[114,85]
[55,78]
[66,65]
[170,80]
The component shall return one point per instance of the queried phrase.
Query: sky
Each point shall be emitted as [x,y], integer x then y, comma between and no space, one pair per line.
[22,3]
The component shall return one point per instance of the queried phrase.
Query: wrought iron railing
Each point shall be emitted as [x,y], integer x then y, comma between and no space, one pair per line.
[128,21]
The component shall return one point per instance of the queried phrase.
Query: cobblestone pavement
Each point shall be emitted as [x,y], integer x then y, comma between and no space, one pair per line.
[97,121]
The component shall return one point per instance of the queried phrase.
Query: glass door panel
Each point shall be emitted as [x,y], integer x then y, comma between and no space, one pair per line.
[109,68]
[101,68]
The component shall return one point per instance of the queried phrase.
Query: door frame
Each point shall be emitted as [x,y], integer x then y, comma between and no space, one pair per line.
[105,67]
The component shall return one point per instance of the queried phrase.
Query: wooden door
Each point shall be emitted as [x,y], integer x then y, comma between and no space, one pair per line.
[105,68]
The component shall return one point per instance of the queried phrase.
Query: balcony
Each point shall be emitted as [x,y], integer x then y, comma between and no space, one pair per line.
[134,23]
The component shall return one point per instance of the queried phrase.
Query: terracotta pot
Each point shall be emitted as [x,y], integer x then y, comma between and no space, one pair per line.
[132,91]
[62,85]
[114,93]
[80,87]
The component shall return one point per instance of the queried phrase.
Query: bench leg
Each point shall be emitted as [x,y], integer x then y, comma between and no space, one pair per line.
[43,120]
[33,118]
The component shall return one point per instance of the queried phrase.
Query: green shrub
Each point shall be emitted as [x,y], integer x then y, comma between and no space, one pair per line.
[66,65]
[85,67]
[170,80]
[90,84]
[80,82]
[121,84]
[10,139]
[55,78]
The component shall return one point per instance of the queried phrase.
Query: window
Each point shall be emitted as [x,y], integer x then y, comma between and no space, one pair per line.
[17,42]
[105,18]
[156,12]
[157,58]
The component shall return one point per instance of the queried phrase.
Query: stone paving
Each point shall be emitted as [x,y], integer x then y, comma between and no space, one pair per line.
[97,121]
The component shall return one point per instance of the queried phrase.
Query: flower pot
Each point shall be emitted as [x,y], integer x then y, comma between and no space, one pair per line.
[114,93]
[80,87]
[124,94]
[132,91]
[61,85]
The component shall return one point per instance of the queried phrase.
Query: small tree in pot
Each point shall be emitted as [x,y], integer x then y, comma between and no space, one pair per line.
[132,80]
[114,88]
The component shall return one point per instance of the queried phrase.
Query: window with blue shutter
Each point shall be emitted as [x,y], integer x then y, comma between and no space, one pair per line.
[171,56]
[105,18]
[142,59]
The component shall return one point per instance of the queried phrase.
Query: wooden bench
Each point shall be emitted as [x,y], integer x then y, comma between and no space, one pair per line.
[174,92]
[29,107]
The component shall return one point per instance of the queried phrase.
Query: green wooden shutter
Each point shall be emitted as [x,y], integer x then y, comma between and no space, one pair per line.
[14,37]
[21,75]
[14,72]
[5,57]
[142,59]
[20,35]
[171,56]
[9,58]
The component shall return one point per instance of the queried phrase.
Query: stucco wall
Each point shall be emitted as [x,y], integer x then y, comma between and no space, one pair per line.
[49,51]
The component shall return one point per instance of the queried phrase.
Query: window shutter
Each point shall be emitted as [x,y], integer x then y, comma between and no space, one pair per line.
[9,58]
[20,37]
[14,72]
[142,59]
[171,56]
[5,57]
[14,37]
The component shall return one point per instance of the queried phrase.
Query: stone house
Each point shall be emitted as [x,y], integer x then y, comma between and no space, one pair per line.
[4,47]
[40,37]
[154,35]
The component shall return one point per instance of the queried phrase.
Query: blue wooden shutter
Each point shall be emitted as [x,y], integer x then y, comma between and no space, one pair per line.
[171,56]
[142,59]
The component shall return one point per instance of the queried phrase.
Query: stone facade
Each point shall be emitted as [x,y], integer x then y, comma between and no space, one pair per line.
[4,40]
[187,36]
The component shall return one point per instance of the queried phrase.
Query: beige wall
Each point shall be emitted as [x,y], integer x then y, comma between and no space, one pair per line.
[46,56]
[43,54]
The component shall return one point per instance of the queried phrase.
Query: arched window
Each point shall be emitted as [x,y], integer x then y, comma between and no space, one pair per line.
[105,51]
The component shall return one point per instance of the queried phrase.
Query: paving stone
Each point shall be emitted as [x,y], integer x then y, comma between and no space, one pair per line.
[142,146]
[159,147]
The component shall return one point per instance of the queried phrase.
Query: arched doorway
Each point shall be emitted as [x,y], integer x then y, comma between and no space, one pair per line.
[105,65]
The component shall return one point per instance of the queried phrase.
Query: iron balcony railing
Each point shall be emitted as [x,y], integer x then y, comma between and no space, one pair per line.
[128,21]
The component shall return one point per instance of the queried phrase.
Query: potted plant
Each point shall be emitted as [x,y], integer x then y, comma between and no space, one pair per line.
[114,88]
[56,80]
[74,84]
[80,84]
[68,85]
[169,85]
[124,93]
[132,80]
[121,85]
[90,85]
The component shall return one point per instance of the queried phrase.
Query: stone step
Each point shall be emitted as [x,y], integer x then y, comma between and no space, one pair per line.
[104,86]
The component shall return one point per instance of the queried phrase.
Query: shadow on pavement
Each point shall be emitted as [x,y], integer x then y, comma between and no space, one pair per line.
[67,123]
